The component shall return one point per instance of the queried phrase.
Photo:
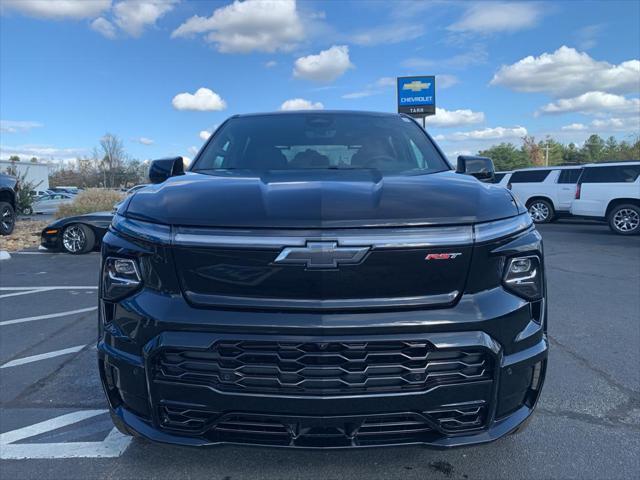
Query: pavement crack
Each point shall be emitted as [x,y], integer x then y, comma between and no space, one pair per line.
[605,421]
[615,414]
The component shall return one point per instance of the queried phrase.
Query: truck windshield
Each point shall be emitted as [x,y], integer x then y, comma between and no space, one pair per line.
[389,144]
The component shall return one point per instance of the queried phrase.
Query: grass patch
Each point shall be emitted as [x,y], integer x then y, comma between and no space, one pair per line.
[89,201]
[26,234]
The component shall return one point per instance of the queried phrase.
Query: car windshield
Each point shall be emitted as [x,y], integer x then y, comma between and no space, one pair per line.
[390,144]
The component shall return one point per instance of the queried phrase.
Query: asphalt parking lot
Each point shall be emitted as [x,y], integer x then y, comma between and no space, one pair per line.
[54,425]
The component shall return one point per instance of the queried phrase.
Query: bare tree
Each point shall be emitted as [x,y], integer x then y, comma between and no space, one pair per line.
[113,157]
[533,150]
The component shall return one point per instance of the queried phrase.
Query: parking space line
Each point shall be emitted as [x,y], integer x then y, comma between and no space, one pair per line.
[60,287]
[44,317]
[47,425]
[112,446]
[26,292]
[42,356]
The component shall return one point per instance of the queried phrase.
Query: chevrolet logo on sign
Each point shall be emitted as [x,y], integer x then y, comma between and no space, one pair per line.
[416,86]
[321,255]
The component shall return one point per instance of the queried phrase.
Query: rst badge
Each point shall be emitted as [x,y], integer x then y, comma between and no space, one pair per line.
[442,256]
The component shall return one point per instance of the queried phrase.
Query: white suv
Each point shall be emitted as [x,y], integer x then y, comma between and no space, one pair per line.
[546,191]
[610,191]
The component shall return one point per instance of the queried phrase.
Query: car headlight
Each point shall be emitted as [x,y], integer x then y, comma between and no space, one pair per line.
[523,276]
[120,277]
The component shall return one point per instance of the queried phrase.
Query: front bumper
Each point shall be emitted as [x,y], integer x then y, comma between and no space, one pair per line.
[501,326]
[51,241]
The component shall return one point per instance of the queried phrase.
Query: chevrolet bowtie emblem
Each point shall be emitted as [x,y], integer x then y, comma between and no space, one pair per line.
[321,255]
[416,86]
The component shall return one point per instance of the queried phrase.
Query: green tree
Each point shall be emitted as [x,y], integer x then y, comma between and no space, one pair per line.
[506,156]
[571,154]
[594,149]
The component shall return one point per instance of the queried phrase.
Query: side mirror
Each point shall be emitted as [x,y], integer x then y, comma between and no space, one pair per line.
[160,170]
[480,167]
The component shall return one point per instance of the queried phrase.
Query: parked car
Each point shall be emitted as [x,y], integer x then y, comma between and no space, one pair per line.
[547,192]
[77,234]
[322,279]
[8,190]
[69,190]
[610,192]
[41,193]
[50,203]
[499,176]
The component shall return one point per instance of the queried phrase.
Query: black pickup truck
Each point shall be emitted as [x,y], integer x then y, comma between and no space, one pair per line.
[322,279]
[8,189]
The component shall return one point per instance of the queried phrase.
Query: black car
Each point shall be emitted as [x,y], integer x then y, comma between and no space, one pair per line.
[77,234]
[322,279]
[8,191]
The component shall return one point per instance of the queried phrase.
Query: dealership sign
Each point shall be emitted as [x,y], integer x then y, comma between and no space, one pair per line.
[417,95]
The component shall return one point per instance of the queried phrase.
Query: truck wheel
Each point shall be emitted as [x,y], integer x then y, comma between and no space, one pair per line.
[7,218]
[625,219]
[78,238]
[541,211]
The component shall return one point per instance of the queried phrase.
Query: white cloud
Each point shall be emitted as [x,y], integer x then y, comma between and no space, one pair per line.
[133,16]
[388,34]
[270,64]
[492,17]
[193,150]
[301,104]
[375,88]
[104,27]
[43,152]
[144,141]
[594,103]
[15,126]
[587,36]
[476,55]
[58,9]
[385,82]
[629,124]
[361,94]
[203,100]
[568,72]
[252,25]
[574,127]
[489,133]
[454,118]
[446,81]
[325,66]
[205,134]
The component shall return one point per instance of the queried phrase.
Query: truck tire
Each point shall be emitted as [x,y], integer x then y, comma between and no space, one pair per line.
[624,219]
[541,211]
[7,218]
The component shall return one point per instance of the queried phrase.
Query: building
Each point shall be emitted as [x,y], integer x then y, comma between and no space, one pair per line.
[37,173]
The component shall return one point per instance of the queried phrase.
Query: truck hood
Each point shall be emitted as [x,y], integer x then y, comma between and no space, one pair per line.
[319,199]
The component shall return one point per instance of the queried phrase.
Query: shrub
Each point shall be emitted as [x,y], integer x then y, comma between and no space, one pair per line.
[89,201]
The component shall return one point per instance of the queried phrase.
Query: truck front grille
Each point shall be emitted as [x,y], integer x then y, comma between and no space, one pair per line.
[332,368]
[366,430]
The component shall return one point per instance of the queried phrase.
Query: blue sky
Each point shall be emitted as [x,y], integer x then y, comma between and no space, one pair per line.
[72,71]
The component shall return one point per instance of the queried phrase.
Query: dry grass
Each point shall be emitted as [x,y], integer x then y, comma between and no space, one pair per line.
[26,234]
[89,201]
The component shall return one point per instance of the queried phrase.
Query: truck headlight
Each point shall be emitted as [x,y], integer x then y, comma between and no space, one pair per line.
[120,277]
[523,276]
